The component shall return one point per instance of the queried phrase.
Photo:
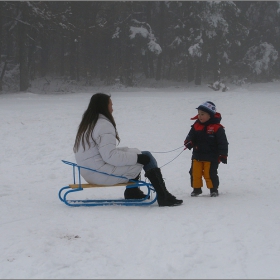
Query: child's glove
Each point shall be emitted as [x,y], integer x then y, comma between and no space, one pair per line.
[188,144]
[222,159]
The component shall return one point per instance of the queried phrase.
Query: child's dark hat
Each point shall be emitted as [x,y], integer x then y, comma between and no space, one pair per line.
[208,107]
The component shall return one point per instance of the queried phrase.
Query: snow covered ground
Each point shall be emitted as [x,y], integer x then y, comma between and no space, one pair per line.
[235,235]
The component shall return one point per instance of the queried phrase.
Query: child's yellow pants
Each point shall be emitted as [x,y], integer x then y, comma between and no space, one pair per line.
[204,169]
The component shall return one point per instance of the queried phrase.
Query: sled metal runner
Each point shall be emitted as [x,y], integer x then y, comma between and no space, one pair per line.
[77,187]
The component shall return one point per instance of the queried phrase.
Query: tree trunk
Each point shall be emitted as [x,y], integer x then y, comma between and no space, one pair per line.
[1,26]
[31,54]
[161,31]
[216,67]
[62,57]
[151,65]
[72,57]
[159,66]
[190,70]
[87,56]
[198,71]
[128,66]
[3,73]
[77,64]
[102,57]
[23,50]
[44,54]
[1,43]
[145,65]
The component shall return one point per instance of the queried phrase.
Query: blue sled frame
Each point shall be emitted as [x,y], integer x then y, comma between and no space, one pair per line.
[64,191]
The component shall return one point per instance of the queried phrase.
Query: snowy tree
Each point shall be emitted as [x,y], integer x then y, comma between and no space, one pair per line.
[260,60]
[206,34]
[28,27]
[259,52]
[145,41]
[219,35]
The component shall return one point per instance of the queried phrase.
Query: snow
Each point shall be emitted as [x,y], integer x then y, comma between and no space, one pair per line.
[235,235]
[138,30]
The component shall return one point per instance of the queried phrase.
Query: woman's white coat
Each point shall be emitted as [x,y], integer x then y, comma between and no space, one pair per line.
[105,156]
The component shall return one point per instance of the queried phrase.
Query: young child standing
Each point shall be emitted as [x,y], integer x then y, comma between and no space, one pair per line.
[208,140]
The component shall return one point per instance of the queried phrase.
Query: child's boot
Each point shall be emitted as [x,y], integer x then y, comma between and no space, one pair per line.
[214,192]
[196,192]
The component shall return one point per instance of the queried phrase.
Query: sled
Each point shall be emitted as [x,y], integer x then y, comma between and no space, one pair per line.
[77,187]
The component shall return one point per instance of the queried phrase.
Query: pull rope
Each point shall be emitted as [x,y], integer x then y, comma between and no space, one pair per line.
[173,158]
[167,151]
[170,152]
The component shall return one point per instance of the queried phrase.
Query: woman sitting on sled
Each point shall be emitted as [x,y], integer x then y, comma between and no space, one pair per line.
[96,148]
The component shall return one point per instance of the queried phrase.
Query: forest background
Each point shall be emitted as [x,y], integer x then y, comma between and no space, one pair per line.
[129,42]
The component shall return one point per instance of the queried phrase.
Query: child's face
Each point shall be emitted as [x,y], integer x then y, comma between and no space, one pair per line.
[203,116]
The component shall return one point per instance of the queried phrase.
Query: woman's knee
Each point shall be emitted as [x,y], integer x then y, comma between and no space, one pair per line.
[152,163]
[149,154]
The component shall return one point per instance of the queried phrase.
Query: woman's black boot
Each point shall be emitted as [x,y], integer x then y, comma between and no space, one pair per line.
[134,193]
[164,197]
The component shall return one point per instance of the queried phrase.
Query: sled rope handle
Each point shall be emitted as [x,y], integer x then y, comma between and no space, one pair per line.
[167,151]
[173,158]
[170,152]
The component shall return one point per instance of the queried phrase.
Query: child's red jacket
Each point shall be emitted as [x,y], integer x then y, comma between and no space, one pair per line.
[208,139]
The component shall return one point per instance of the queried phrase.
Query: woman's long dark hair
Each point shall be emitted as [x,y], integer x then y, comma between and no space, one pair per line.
[98,104]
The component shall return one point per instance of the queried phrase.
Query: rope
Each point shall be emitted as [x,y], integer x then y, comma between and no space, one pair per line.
[167,151]
[173,158]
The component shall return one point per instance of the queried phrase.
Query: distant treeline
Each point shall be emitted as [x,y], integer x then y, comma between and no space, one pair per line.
[120,41]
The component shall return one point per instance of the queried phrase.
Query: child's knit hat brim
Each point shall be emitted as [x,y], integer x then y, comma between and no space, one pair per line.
[208,107]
